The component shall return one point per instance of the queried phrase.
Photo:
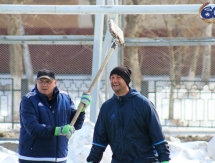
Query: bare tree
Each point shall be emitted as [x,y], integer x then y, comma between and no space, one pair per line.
[26,57]
[177,57]
[132,31]
[15,27]
[16,64]
[206,69]
[134,27]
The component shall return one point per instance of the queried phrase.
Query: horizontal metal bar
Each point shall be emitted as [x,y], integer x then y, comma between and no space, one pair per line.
[100,9]
[48,39]
[49,42]
[161,41]
[88,40]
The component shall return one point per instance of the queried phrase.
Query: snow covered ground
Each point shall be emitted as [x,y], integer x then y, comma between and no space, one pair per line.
[80,144]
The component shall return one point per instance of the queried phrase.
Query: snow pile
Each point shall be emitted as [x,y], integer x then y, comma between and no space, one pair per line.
[81,141]
[7,156]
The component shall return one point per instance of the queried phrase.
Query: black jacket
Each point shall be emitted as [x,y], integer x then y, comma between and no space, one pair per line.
[130,125]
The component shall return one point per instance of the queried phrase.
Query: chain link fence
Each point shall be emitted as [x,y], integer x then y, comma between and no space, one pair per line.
[171,58]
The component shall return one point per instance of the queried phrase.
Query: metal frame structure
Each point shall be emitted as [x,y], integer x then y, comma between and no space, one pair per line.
[89,40]
[100,8]
[101,43]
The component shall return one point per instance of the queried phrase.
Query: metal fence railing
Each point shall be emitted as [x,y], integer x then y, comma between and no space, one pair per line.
[192,101]
[188,103]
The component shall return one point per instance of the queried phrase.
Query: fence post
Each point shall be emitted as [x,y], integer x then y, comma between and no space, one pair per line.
[144,88]
[24,87]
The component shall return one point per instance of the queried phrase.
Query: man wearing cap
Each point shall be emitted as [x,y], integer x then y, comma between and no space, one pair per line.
[45,115]
[128,123]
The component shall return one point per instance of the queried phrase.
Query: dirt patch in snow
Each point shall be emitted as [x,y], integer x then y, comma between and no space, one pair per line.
[14,134]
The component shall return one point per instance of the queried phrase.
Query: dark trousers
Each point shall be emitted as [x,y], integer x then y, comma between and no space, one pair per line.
[27,161]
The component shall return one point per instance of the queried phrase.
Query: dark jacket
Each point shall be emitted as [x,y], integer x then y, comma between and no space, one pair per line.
[130,125]
[38,119]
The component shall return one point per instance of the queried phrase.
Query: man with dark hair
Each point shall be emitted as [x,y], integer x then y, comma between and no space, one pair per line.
[45,116]
[128,122]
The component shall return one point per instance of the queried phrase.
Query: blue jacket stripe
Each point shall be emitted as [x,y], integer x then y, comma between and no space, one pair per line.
[99,145]
[159,142]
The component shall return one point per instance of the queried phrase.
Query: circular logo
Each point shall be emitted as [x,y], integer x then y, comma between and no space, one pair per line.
[207,12]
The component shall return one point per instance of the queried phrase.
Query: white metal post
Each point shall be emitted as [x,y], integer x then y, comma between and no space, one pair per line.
[100,9]
[114,60]
[97,56]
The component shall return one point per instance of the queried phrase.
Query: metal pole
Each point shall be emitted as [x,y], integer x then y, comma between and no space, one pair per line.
[100,9]
[89,40]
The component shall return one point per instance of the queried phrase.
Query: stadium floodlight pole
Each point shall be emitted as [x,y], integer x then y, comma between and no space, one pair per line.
[118,38]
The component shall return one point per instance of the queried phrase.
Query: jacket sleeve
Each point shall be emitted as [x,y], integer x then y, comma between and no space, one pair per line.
[100,140]
[163,151]
[80,120]
[29,119]
[156,133]
[96,154]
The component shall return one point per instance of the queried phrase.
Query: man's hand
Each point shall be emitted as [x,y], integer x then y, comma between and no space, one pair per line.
[86,99]
[66,130]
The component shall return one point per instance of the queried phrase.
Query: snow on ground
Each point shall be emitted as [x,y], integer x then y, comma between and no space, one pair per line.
[7,156]
[80,144]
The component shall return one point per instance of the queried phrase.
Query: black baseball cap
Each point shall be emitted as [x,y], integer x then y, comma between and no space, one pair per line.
[46,73]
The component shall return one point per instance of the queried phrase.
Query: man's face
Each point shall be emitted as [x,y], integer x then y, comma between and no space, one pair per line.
[118,85]
[46,86]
